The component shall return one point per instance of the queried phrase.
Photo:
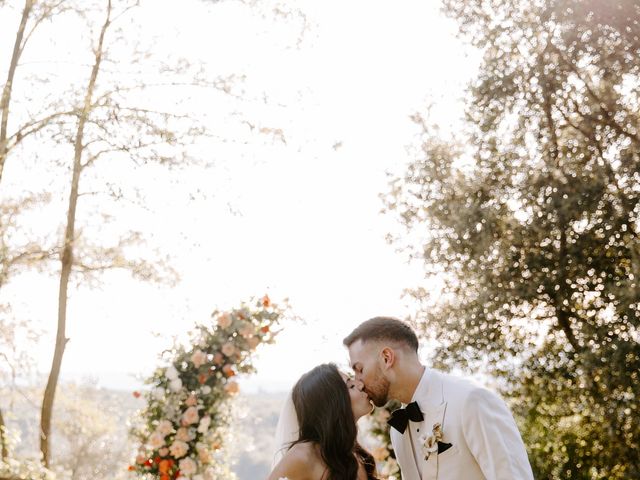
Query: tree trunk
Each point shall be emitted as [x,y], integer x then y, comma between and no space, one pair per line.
[4,451]
[18,48]
[67,252]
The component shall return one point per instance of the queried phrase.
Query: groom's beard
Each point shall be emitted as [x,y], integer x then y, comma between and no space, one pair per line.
[378,391]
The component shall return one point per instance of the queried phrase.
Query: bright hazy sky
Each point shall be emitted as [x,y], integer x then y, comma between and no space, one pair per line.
[307,224]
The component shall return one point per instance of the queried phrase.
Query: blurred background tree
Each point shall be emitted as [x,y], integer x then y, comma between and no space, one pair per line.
[89,439]
[529,221]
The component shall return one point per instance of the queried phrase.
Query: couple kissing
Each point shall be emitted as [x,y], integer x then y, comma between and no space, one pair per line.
[449,427]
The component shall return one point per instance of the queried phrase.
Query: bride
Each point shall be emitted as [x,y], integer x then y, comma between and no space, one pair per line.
[317,429]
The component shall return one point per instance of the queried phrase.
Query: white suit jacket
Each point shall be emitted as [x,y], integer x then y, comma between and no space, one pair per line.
[486,443]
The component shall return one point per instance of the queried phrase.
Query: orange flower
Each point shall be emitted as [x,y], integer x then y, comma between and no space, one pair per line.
[265,329]
[165,477]
[266,301]
[131,468]
[164,466]
[202,378]
[136,394]
[228,371]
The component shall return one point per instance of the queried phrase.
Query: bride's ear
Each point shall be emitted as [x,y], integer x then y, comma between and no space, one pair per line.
[388,357]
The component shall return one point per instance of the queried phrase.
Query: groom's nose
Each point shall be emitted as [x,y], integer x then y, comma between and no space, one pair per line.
[359,385]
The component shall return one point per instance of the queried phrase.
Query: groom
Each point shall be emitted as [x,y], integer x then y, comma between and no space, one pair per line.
[450,428]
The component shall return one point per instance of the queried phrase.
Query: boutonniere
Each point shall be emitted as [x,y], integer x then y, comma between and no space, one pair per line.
[432,443]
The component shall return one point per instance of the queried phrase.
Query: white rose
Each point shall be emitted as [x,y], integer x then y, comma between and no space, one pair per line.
[171,373]
[197,477]
[175,385]
[204,424]
[158,393]
[188,466]
[165,427]
[171,411]
[206,389]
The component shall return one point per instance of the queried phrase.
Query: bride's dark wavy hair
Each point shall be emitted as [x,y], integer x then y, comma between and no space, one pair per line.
[323,407]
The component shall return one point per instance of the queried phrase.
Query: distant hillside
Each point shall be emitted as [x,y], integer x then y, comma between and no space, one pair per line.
[257,423]
[252,445]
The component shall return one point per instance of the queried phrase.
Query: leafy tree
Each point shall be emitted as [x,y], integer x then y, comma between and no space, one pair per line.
[529,220]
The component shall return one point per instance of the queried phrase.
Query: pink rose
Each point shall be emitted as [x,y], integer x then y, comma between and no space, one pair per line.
[163,452]
[188,467]
[184,435]
[232,388]
[156,440]
[218,358]
[246,331]
[191,401]
[198,358]
[190,416]
[228,349]
[178,449]
[204,456]
[380,454]
[253,342]
[224,320]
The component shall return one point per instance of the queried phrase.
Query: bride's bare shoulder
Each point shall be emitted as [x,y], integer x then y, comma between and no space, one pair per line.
[300,462]
[304,451]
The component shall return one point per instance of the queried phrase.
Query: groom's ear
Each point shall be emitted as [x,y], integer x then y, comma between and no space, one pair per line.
[388,357]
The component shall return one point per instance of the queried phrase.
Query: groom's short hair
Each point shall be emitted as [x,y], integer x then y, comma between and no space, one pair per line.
[384,328]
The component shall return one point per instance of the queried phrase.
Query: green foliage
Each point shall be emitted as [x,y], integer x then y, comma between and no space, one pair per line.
[529,220]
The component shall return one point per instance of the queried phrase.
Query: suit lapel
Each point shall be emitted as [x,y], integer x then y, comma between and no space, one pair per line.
[405,456]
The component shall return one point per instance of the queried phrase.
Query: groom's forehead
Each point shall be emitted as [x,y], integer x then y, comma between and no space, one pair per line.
[359,351]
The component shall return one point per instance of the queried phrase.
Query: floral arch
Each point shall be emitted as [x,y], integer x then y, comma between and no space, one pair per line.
[181,430]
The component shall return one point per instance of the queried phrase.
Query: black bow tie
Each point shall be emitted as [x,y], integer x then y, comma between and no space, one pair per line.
[400,418]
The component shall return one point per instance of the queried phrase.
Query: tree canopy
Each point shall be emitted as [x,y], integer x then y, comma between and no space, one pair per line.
[529,219]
